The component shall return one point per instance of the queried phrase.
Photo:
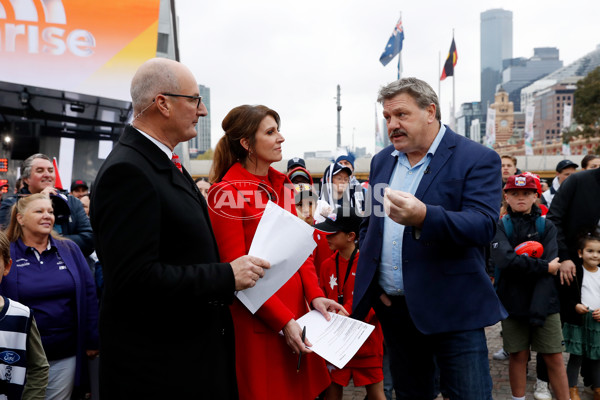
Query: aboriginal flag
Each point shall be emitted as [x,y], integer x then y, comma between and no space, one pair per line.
[450,62]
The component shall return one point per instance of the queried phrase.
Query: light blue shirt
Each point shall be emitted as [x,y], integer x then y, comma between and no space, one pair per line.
[405,178]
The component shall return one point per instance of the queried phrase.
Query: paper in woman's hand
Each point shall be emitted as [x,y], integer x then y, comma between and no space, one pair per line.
[285,241]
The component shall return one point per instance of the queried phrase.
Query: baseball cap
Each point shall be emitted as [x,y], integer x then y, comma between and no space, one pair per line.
[522,181]
[296,162]
[344,219]
[300,172]
[78,183]
[538,182]
[337,168]
[565,164]
[60,204]
[346,157]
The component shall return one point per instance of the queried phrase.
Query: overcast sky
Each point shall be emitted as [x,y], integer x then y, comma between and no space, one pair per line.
[290,55]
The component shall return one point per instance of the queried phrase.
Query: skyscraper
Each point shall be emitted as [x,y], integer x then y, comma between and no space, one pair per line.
[496,45]
[201,142]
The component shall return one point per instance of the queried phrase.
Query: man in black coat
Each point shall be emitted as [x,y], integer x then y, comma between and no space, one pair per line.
[165,326]
[575,211]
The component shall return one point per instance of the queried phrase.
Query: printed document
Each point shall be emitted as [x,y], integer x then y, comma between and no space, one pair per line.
[285,241]
[337,340]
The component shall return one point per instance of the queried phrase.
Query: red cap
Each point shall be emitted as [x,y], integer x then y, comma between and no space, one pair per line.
[522,181]
[537,181]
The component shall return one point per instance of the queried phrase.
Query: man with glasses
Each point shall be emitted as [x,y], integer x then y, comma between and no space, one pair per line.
[165,325]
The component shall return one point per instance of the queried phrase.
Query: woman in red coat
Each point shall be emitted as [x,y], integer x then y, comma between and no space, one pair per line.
[266,360]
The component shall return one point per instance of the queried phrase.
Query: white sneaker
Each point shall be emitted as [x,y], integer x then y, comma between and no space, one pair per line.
[500,355]
[541,391]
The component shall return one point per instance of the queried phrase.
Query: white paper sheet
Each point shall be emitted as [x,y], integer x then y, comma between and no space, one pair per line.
[285,241]
[337,340]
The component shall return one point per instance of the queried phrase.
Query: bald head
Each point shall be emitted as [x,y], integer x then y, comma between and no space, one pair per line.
[157,75]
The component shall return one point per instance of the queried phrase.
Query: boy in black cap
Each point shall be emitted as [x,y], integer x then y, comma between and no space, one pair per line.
[79,188]
[564,169]
[295,163]
[337,281]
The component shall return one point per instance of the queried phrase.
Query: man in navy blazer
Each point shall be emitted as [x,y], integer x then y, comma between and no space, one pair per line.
[432,208]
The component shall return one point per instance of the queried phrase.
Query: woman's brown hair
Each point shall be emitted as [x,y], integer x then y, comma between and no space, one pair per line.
[242,122]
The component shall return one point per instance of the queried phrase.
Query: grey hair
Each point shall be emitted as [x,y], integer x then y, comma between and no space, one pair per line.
[26,165]
[155,77]
[419,90]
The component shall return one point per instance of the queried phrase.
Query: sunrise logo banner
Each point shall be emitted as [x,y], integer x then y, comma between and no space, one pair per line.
[90,47]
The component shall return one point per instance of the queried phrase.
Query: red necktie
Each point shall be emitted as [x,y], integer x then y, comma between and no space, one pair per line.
[175,159]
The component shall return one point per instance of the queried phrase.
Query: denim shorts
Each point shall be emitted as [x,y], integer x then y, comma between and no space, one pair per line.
[518,335]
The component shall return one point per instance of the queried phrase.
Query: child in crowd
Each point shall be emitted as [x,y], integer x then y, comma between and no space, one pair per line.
[306,199]
[23,364]
[337,281]
[528,289]
[581,315]
[334,191]
[306,202]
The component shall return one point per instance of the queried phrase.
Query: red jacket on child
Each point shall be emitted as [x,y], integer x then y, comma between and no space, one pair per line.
[371,353]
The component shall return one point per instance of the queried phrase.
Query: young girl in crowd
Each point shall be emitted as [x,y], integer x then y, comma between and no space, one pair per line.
[581,315]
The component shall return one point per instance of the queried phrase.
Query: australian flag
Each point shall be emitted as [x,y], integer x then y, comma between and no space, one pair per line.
[394,45]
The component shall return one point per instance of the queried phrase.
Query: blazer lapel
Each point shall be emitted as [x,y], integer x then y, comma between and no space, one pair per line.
[382,179]
[441,156]
[132,138]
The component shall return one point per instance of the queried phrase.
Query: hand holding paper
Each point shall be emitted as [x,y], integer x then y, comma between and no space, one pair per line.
[325,305]
[247,270]
[336,340]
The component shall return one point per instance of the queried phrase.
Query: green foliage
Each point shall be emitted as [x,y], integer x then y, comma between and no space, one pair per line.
[586,109]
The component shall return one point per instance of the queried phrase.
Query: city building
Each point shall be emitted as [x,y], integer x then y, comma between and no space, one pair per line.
[504,116]
[521,72]
[201,142]
[550,110]
[578,69]
[467,114]
[496,33]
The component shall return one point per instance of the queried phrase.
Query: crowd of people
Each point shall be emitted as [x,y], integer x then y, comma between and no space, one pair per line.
[446,238]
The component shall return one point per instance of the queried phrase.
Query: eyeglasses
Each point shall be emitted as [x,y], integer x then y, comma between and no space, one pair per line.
[199,98]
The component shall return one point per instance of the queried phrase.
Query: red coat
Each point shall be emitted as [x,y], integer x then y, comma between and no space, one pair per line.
[265,365]
[322,252]
[371,352]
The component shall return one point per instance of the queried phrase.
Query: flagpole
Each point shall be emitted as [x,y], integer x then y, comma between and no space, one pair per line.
[400,55]
[399,65]
[439,80]
[453,92]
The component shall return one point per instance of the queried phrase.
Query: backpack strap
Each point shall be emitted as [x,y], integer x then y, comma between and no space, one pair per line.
[540,225]
[508,225]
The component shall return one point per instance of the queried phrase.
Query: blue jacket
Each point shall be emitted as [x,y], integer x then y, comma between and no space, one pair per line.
[445,282]
[85,296]
[78,228]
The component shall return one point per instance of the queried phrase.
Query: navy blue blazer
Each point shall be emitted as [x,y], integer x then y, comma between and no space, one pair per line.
[445,282]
